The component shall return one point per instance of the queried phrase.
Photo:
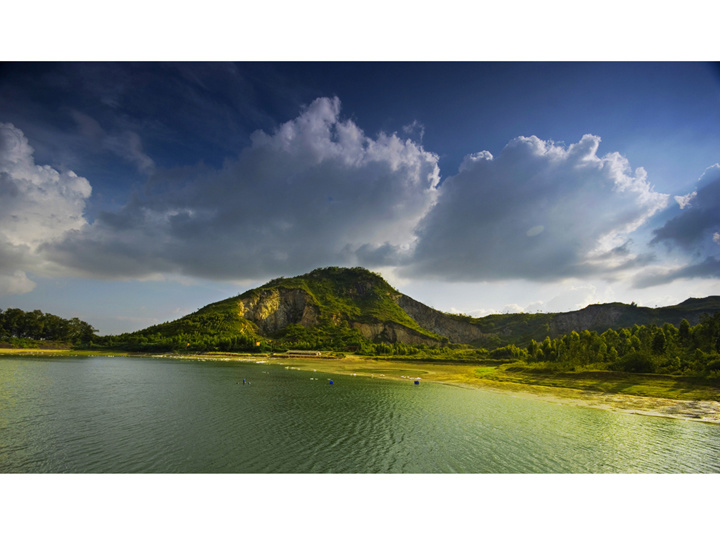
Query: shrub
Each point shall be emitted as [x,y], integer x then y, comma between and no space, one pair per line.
[637,362]
[508,352]
[714,365]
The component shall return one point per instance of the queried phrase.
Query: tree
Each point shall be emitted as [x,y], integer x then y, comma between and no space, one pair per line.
[36,325]
[659,342]
[684,332]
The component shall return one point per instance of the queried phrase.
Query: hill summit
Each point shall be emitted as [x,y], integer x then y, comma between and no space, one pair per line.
[342,308]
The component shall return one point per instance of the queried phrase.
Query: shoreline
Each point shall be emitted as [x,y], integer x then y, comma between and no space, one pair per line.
[452,374]
[458,375]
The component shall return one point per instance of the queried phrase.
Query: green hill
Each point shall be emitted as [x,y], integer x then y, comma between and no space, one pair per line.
[328,308]
[521,328]
[350,308]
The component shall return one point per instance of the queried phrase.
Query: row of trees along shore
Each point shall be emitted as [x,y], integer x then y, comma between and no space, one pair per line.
[683,350]
[668,349]
[673,350]
[20,328]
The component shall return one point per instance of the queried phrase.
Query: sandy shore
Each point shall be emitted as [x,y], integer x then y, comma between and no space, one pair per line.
[702,411]
[454,374]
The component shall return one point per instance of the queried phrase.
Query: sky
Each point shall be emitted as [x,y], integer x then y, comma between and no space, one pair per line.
[136,193]
[132,193]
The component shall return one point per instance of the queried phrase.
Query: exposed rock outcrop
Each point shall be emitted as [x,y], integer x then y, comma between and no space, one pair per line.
[455,330]
[273,309]
[602,316]
[392,333]
[330,300]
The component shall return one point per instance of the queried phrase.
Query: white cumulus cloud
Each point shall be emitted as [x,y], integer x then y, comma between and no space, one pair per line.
[38,204]
[685,200]
[315,192]
[538,211]
[318,191]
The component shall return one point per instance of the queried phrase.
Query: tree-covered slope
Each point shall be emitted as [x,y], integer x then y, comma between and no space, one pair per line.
[520,328]
[350,308]
[326,308]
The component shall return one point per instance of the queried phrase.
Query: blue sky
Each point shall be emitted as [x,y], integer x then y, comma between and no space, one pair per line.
[134,193]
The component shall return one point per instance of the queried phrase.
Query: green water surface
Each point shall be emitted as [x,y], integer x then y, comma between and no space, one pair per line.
[149,415]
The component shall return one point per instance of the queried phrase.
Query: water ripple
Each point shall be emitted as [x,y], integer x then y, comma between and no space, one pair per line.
[150,415]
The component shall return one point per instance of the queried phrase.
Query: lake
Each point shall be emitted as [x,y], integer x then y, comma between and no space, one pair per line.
[155,415]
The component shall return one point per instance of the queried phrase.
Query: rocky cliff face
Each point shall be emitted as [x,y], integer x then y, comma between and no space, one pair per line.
[440,323]
[357,297]
[334,298]
[272,310]
[392,333]
[597,316]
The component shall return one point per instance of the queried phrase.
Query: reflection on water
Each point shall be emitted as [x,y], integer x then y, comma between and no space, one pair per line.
[169,416]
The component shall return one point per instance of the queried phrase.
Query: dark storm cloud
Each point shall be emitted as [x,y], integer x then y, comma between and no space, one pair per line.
[90,117]
[694,228]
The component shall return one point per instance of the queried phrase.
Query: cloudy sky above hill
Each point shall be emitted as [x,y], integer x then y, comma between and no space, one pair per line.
[133,193]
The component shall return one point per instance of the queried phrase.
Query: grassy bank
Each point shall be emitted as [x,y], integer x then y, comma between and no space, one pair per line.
[60,352]
[608,382]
